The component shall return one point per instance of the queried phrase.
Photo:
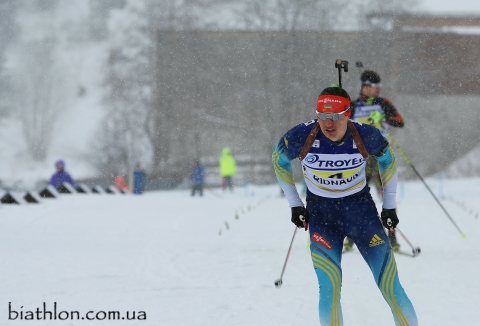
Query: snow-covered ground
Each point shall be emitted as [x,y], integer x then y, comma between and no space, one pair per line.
[213,260]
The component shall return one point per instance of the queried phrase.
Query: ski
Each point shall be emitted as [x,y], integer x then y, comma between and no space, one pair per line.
[415,252]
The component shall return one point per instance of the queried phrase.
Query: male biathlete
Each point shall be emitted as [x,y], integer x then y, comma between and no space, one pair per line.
[332,151]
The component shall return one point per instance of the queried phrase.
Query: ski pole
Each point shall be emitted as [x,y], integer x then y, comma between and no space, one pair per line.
[402,153]
[279,282]
[415,250]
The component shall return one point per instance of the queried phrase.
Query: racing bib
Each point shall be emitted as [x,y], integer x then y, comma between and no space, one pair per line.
[362,115]
[334,175]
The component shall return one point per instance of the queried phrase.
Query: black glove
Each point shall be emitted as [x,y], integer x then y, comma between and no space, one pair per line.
[300,217]
[389,218]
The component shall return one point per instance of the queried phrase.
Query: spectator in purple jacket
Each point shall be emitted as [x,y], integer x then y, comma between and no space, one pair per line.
[61,176]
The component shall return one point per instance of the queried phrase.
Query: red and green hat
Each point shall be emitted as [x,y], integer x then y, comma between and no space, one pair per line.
[333,104]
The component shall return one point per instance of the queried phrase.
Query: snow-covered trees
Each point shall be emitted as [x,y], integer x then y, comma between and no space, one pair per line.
[136,127]
[39,76]
[43,64]
[122,139]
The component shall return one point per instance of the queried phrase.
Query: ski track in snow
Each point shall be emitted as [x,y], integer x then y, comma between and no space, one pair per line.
[190,261]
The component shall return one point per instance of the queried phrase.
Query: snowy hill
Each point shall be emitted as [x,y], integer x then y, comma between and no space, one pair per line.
[466,165]
[214,260]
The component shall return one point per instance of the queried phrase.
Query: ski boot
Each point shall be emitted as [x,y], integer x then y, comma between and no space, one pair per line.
[348,244]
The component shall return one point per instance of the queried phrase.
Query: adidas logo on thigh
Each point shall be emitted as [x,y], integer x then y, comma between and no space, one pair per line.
[376,241]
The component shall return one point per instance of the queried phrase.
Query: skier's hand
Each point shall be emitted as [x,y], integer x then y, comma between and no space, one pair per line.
[370,100]
[300,217]
[389,218]
[376,117]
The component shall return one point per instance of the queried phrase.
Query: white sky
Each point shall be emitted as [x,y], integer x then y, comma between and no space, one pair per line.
[448,6]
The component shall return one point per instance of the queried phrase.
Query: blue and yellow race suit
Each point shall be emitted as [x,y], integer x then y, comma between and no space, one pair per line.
[339,203]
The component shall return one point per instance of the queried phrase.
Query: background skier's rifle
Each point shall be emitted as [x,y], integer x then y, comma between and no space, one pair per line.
[359,65]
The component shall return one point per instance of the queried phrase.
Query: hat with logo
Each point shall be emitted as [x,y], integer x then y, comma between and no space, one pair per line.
[333,104]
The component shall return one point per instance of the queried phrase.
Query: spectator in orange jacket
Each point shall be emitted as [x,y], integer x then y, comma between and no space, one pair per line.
[120,184]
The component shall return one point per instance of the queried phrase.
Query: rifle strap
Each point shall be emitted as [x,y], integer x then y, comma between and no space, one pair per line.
[308,143]
[358,140]
[313,133]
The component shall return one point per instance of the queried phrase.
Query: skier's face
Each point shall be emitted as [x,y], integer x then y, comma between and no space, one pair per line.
[334,130]
[371,91]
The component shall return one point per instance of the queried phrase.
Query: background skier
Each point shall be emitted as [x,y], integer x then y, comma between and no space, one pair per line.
[370,108]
